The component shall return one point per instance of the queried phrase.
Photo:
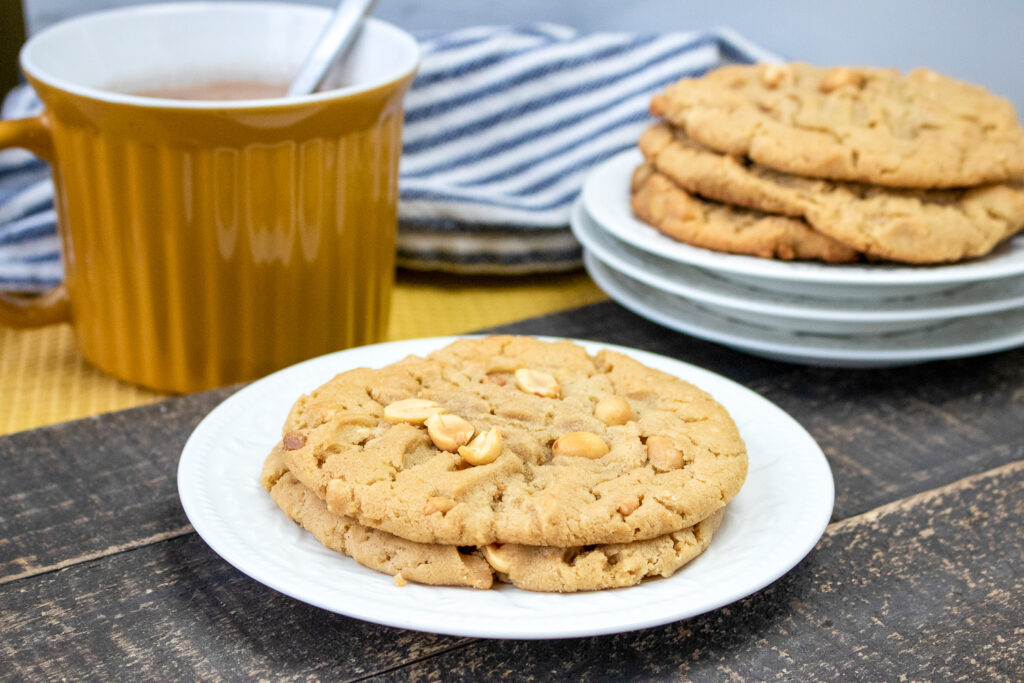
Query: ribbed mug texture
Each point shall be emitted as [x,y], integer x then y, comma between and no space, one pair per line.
[210,246]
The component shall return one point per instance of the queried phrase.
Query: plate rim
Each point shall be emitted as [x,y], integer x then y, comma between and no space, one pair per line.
[752,344]
[824,499]
[584,225]
[770,269]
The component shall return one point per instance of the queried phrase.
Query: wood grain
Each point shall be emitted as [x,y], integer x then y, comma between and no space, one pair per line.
[102,577]
[926,589]
[891,433]
[67,489]
[176,611]
[96,486]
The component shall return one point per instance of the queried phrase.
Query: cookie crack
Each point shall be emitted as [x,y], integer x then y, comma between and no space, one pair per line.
[498,497]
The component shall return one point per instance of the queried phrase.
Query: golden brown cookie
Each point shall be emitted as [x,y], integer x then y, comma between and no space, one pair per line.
[566,570]
[562,448]
[536,568]
[920,130]
[438,565]
[657,200]
[913,226]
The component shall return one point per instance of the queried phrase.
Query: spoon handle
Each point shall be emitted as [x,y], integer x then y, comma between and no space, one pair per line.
[333,42]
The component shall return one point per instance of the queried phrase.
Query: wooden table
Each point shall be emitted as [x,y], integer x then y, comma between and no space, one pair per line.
[918,577]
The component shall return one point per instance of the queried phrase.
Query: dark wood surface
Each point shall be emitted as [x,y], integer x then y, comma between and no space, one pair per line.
[920,576]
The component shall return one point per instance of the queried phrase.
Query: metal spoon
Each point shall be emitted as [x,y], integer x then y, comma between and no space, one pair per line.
[331,46]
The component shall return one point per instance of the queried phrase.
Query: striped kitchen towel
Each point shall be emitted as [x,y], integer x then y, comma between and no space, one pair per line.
[502,126]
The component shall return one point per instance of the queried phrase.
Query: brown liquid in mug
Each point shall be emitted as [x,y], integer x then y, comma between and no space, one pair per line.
[220,90]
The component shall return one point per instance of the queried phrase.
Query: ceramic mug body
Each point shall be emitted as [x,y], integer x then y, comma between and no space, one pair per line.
[212,242]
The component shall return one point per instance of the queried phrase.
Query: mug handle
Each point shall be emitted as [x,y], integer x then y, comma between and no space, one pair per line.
[32,134]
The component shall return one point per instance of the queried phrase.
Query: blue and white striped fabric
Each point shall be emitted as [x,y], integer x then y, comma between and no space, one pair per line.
[29,246]
[502,126]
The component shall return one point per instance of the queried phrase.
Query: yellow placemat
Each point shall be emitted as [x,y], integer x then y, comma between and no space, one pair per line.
[43,380]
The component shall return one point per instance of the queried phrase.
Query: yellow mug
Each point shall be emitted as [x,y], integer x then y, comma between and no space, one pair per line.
[209,242]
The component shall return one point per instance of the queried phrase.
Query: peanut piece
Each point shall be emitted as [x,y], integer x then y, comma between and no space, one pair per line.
[639,393]
[774,74]
[839,76]
[663,454]
[628,505]
[448,432]
[438,504]
[498,562]
[613,410]
[483,449]
[537,383]
[359,419]
[580,445]
[412,410]
[293,441]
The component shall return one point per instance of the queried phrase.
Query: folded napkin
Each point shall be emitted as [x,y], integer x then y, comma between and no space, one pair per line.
[502,124]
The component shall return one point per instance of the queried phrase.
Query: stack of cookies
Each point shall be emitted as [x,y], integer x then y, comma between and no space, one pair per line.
[835,164]
[512,458]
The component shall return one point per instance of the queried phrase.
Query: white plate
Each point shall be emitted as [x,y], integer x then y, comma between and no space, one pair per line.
[766,530]
[606,198]
[786,311]
[950,339]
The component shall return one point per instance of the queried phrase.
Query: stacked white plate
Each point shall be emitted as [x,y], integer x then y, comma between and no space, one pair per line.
[860,315]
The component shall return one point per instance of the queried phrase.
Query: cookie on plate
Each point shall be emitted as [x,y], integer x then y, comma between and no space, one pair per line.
[438,565]
[919,130]
[657,200]
[516,440]
[536,568]
[565,570]
[912,226]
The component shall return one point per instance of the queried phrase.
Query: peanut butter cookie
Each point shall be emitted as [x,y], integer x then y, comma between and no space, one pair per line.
[561,448]
[566,570]
[912,226]
[438,565]
[536,568]
[920,130]
[659,201]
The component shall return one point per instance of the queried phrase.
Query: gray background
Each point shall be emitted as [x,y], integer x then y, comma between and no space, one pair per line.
[977,41]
